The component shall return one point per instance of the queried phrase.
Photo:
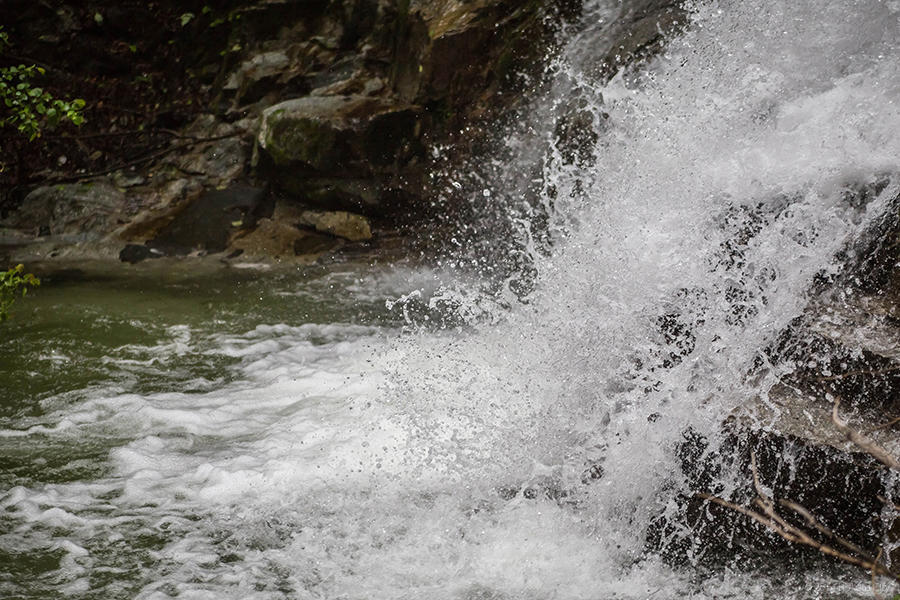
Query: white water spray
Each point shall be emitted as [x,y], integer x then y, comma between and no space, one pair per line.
[522,457]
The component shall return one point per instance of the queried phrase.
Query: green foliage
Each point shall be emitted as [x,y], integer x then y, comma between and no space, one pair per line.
[29,108]
[231,17]
[13,284]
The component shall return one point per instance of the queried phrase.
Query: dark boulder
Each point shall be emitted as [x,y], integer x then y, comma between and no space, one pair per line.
[135,253]
[207,223]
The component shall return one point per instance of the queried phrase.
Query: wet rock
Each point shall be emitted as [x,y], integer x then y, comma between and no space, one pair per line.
[254,76]
[843,347]
[460,54]
[135,253]
[577,132]
[81,211]
[208,222]
[221,161]
[353,194]
[341,224]
[339,135]
[640,33]
[355,228]
[841,488]
[280,240]
[158,205]
[344,77]
[314,244]
[123,179]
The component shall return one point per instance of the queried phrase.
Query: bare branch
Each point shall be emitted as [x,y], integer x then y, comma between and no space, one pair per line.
[794,534]
[863,442]
[874,575]
[887,425]
[813,522]
[769,518]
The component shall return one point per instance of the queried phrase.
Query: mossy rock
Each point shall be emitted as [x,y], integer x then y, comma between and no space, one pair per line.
[340,135]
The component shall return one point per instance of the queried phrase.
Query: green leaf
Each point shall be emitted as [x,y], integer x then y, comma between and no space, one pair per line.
[186,18]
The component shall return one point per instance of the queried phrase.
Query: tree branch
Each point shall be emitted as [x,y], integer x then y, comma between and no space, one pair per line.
[768,517]
[863,442]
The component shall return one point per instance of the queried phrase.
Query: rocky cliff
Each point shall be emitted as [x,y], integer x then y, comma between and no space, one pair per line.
[242,117]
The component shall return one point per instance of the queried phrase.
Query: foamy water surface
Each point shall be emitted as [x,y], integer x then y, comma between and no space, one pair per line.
[338,435]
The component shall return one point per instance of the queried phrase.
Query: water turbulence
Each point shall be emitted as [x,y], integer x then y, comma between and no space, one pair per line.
[520,442]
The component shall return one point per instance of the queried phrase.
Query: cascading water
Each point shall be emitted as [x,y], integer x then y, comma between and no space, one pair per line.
[523,451]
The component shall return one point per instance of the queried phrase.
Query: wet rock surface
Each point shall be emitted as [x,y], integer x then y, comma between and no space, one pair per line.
[333,103]
[844,350]
[283,242]
[207,223]
[355,228]
[338,105]
[79,211]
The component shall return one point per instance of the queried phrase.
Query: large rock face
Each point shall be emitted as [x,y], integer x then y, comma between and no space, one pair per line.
[845,348]
[377,82]
[340,105]
[81,211]
[338,135]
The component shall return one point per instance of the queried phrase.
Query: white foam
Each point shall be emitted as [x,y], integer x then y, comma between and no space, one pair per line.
[348,461]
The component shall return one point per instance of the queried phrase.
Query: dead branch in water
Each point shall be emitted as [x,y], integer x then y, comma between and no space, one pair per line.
[866,444]
[763,511]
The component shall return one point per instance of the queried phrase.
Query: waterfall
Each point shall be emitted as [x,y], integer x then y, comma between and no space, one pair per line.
[512,425]
[677,231]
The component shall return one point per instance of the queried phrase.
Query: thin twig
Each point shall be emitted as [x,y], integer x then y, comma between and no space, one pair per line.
[756,484]
[890,423]
[25,59]
[141,160]
[813,522]
[91,136]
[874,575]
[153,130]
[796,535]
[769,518]
[884,500]
[861,441]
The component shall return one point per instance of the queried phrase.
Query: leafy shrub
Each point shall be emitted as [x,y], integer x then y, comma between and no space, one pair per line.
[13,284]
[29,108]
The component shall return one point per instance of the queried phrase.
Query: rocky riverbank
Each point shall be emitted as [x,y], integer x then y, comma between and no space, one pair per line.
[314,131]
[318,126]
